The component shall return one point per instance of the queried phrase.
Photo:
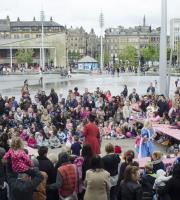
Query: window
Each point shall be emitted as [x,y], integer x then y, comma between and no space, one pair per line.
[26,36]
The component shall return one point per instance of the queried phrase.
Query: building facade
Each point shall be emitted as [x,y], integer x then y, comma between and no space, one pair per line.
[19,34]
[174,33]
[116,39]
[80,43]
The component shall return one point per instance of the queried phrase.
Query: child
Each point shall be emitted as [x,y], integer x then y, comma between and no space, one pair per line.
[19,159]
[119,134]
[157,161]
[76,147]
[32,142]
[160,182]
[107,131]
[62,136]
[41,140]
[137,142]
[69,125]
[54,141]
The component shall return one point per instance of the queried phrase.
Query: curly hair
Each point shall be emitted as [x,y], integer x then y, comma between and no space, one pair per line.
[17,143]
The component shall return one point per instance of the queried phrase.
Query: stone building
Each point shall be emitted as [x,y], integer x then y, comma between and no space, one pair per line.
[80,43]
[116,39]
[19,34]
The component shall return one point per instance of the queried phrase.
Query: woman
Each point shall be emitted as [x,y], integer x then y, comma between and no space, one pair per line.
[128,157]
[111,163]
[97,181]
[92,135]
[130,189]
[146,144]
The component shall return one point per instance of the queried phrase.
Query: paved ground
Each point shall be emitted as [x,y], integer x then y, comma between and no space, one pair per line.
[126,144]
[11,84]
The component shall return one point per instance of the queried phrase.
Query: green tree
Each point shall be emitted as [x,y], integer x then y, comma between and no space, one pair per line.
[106,58]
[150,53]
[24,56]
[129,54]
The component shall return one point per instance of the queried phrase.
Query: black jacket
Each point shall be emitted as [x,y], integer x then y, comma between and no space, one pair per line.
[45,165]
[111,163]
[147,182]
[23,190]
[129,191]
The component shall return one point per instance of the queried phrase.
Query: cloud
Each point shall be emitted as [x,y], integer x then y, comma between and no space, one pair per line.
[86,13]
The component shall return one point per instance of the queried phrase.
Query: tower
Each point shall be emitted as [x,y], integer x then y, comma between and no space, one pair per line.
[144,20]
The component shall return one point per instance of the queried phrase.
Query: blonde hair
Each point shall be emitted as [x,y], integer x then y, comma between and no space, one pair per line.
[17,143]
[147,124]
[157,154]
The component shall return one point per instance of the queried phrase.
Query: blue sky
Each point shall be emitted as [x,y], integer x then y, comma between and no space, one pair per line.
[86,13]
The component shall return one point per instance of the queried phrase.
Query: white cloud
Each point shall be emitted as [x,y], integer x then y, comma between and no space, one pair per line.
[86,13]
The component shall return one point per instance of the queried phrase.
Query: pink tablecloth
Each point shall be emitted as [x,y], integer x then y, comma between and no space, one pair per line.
[143,161]
[168,130]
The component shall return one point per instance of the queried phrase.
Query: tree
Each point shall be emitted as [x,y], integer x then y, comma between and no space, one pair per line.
[106,58]
[150,53]
[129,54]
[24,56]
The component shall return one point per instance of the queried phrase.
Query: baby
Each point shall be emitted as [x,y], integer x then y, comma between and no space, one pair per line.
[161,179]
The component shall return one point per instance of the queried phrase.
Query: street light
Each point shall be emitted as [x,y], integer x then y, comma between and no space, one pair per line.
[42,40]
[101,23]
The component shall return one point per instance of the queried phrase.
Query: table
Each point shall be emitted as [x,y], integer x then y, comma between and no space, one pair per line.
[143,161]
[169,130]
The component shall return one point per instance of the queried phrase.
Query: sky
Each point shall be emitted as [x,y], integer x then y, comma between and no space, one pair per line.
[85,13]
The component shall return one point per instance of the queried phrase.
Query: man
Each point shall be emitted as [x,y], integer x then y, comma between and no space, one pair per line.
[66,180]
[151,89]
[163,105]
[23,186]
[92,136]
[134,97]
[45,165]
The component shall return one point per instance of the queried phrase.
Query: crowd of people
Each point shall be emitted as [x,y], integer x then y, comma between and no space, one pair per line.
[77,125]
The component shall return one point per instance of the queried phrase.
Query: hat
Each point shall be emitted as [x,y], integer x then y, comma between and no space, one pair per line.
[117,149]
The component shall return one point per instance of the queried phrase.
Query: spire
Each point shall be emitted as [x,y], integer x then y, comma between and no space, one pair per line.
[144,20]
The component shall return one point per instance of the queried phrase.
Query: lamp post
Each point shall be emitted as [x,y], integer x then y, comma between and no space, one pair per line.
[163,50]
[42,41]
[101,23]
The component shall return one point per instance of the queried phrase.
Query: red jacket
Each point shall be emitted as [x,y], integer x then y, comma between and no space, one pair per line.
[92,137]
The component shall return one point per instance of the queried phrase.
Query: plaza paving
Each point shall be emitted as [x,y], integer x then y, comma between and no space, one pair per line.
[11,84]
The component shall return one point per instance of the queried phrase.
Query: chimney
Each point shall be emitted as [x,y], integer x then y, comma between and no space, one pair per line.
[51,19]
[18,20]
[34,19]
